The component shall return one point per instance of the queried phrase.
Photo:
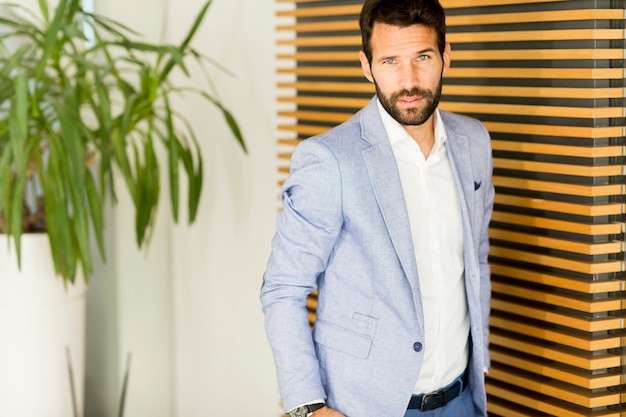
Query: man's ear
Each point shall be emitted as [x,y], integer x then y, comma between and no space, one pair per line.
[446,58]
[365,66]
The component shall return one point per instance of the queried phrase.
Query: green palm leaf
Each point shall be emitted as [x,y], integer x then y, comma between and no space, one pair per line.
[79,111]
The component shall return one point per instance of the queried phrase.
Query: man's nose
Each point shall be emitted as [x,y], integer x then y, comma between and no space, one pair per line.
[410,76]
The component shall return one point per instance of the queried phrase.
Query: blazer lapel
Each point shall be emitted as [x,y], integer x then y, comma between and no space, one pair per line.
[459,154]
[385,180]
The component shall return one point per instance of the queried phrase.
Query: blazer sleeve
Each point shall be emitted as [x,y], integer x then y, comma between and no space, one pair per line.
[306,230]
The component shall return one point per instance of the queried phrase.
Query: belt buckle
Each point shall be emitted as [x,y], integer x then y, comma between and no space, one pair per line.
[433,401]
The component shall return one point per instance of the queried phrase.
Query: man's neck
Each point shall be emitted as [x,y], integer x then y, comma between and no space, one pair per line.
[423,135]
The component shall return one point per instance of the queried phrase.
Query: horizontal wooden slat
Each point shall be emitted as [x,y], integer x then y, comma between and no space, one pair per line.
[559,225]
[331,26]
[535,35]
[573,321]
[289,142]
[611,209]
[556,244]
[557,389]
[448,4]
[468,37]
[536,73]
[465,20]
[562,337]
[534,92]
[517,128]
[329,72]
[558,281]
[318,11]
[527,110]
[539,404]
[521,147]
[592,268]
[568,131]
[549,369]
[559,188]
[317,116]
[561,150]
[513,73]
[304,130]
[329,86]
[572,302]
[561,354]
[536,54]
[555,130]
[498,407]
[465,90]
[351,57]
[322,41]
[325,102]
[559,169]
[454,4]
[533,110]
[495,55]
[534,17]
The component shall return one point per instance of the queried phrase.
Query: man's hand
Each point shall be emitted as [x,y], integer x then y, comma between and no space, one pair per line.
[326,412]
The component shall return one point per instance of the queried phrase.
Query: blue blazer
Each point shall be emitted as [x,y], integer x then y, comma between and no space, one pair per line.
[344,230]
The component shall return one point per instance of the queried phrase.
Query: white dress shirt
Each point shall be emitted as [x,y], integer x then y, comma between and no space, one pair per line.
[434,210]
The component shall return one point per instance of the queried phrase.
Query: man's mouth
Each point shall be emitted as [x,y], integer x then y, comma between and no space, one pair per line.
[410,100]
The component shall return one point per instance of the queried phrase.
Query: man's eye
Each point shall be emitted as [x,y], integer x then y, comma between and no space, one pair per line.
[389,61]
[422,58]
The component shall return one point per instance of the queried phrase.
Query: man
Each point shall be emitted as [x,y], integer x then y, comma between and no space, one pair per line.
[387,216]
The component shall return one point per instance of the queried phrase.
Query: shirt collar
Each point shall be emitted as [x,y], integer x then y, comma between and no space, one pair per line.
[397,133]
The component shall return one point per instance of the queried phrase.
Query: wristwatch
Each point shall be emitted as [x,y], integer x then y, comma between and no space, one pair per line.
[305,410]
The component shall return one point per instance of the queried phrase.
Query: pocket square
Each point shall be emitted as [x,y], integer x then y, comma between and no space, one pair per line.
[476,185]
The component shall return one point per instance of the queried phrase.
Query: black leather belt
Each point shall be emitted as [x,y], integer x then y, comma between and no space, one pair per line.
[436,399]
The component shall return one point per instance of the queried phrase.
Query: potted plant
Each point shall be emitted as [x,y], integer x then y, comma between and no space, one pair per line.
[73,110]
[78,111]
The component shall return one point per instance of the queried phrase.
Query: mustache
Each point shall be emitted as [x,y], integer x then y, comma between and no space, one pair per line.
[415,91]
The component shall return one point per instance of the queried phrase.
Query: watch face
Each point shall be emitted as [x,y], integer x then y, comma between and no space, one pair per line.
[299,412]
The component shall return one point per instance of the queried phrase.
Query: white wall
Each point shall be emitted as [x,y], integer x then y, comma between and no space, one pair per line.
[222,360]
[188,307]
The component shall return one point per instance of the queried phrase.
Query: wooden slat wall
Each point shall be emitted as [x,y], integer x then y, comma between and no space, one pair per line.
[548,80]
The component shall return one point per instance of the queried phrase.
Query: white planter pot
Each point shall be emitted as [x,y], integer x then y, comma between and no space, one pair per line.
[39,318]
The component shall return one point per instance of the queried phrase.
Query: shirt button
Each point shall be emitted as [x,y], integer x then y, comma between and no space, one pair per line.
[417,346]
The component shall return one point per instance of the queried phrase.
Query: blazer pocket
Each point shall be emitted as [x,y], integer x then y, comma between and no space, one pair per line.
[364,323]
[479,190]
[342,339]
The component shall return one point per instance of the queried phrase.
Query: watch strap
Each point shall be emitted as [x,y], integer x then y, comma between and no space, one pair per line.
[315,407]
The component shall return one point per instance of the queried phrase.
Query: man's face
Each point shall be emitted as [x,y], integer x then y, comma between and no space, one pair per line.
[407,70]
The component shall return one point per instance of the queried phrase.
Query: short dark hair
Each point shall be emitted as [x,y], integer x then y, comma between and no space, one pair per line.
[402,13]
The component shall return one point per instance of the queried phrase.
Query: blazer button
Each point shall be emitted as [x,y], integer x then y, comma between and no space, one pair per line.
[417,346]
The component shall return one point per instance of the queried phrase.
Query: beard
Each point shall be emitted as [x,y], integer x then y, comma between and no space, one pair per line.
[415,116]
